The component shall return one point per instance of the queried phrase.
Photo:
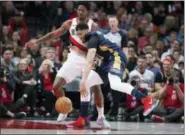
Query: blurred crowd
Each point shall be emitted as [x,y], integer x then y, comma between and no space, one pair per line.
[152,37]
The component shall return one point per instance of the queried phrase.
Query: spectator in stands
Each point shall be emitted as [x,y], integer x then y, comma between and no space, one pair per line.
[174,46]
[6,36]
[143,79]
[177,58]
[147,49]
[144,40]
[17,23]
[31,63]
[132,59]
[169,86]
[63,56]
[155,54]
[6,60]
[168,40]
[160,47]
[146,76]
[148,17]
[159,14]
[150,66]
[7,106]
[102,20]
[34,51]
[133,36]
[51,55]
[45,79]
[153,40]
[39,60]
[24,52]
[8,11]
[180,36]
[25,86]
[17,47]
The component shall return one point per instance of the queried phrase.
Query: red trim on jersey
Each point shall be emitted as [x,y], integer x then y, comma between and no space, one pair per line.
[75,43]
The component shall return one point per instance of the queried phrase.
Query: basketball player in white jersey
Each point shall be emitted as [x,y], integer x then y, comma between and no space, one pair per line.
[75,64]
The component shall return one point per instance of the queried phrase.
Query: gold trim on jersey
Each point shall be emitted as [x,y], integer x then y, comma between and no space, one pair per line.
[117,58]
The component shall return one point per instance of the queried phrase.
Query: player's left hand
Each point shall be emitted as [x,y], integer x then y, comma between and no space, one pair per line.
[83,90]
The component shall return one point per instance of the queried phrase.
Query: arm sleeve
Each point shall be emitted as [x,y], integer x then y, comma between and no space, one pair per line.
[93,42]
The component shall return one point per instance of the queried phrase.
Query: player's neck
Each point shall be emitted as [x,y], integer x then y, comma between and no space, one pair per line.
[83,20]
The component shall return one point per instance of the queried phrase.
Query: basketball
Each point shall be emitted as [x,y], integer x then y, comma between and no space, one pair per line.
[63,105]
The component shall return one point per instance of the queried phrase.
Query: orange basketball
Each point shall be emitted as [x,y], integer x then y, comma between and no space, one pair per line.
[63,105]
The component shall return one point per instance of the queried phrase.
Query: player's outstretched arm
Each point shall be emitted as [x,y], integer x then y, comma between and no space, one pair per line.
[52,35]
[88,66]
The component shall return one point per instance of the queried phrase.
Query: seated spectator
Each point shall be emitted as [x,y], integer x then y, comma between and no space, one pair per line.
[160,47]
[45,79]
[31,63]
[25,86]
[6,60]
[181,67]
[6,36]
[144,40]
[177,58]
[142,79]
[39,60]
[174,46]
[7,106]
[147,49]
[153,40]
[18,23]
[133,36]
[51,55]
[155,54]
[64,55]
[150,66]
[168,40]
[132,58]
[180,36]
[169,86]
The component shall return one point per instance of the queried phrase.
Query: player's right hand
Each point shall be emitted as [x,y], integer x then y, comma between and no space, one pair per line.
[30,44]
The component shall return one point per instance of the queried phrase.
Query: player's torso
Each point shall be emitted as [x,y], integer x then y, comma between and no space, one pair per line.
[77,44]
[107,48]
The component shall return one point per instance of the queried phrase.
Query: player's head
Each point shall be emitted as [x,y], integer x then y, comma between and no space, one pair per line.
[82,10]
[81,30]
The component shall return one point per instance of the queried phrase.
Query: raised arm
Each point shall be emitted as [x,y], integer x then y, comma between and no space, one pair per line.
[52,35]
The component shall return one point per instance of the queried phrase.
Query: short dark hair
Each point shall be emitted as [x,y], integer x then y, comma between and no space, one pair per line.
[84,3]
[4,49]
[82,26]
[141,57]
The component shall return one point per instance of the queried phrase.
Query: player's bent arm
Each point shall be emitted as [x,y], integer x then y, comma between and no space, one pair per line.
[89,63]
[55,34]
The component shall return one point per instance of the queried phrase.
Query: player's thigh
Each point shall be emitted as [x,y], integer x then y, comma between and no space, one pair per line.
[70,70]
[94,79]
[59,82]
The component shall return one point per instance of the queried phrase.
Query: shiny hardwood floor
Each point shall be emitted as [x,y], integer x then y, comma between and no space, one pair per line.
[52,127]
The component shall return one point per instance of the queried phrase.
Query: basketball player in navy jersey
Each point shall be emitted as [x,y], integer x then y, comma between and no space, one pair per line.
[112,68]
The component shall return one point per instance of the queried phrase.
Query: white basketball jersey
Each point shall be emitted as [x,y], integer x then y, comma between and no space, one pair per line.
[74,23]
